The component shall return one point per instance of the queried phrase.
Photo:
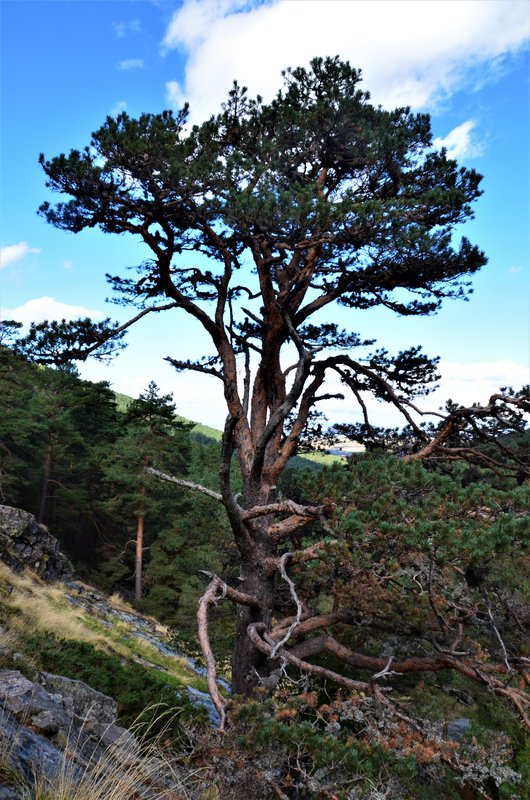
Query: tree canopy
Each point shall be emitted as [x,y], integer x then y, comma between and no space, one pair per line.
[258,222]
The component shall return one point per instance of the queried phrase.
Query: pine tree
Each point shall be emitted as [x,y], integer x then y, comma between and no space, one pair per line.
[315,200]
[152,437]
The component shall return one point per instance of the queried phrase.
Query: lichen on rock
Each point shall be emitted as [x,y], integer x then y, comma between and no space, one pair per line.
[26,543]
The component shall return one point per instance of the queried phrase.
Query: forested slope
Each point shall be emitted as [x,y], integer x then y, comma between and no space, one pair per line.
[433,566]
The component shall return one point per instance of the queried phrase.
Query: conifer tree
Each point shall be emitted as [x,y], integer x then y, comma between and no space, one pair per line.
[315,200]
[154,438]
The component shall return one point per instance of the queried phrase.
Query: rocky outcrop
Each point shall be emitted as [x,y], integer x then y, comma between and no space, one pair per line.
[25,543]
[44,720]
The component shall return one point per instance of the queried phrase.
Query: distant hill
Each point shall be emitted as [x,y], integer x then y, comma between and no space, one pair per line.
[206,434]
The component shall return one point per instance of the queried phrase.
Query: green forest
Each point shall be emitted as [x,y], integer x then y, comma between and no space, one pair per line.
[74,455]
[423,564]
[371,614]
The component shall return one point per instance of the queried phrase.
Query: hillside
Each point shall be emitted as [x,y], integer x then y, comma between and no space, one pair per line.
[79,669]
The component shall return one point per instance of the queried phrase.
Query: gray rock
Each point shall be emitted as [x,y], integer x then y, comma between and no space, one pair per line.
[60,727]
[457,728]
[8,794]
[27,748]
[79,699]
[25,543]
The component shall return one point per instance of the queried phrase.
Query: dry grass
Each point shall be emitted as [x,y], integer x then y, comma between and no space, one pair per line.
[28,605]
[122,772]
[114,778]
[120,603]
[34,606]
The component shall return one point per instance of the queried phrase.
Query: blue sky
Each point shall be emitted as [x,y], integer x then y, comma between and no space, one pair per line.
[67,64]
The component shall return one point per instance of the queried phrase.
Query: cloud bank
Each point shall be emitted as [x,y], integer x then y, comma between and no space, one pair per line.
[411,53]
[47,308]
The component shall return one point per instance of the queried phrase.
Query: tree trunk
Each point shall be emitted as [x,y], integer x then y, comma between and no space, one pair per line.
[248,664]
[138,559]
[139,551]
[45,483]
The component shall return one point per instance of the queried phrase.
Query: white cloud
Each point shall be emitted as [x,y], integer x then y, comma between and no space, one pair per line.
[476,382]
[131,63]
[174,94]
[411,53]
[120,106]
[200,397]
[47,308]
[459,142]
[124,28]
[15,252]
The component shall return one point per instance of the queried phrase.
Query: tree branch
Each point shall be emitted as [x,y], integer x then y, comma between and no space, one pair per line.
[215,591]
[285,507]
[299,609]
[185,365]
[187,484]
[235,595]
[265,646]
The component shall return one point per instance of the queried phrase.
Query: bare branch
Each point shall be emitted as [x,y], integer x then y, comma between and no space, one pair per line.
[386,671]
[280,530]
[287,506]
[497,634]
[187,484]
[299,608]
[214,592]
[267,647]
[312,623]
[232,594]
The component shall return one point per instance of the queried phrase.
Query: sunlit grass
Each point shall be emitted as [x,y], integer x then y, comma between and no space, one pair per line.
[29,605]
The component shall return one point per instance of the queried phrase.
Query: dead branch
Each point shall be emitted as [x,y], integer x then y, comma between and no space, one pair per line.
[287,506]
[280,530]
[384,673]
[310,553]
[187,484]
[299,607]
[215,591]
[457,419]
[310,624]
[497,634]
[475,671]
[232,594]
[264,645]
